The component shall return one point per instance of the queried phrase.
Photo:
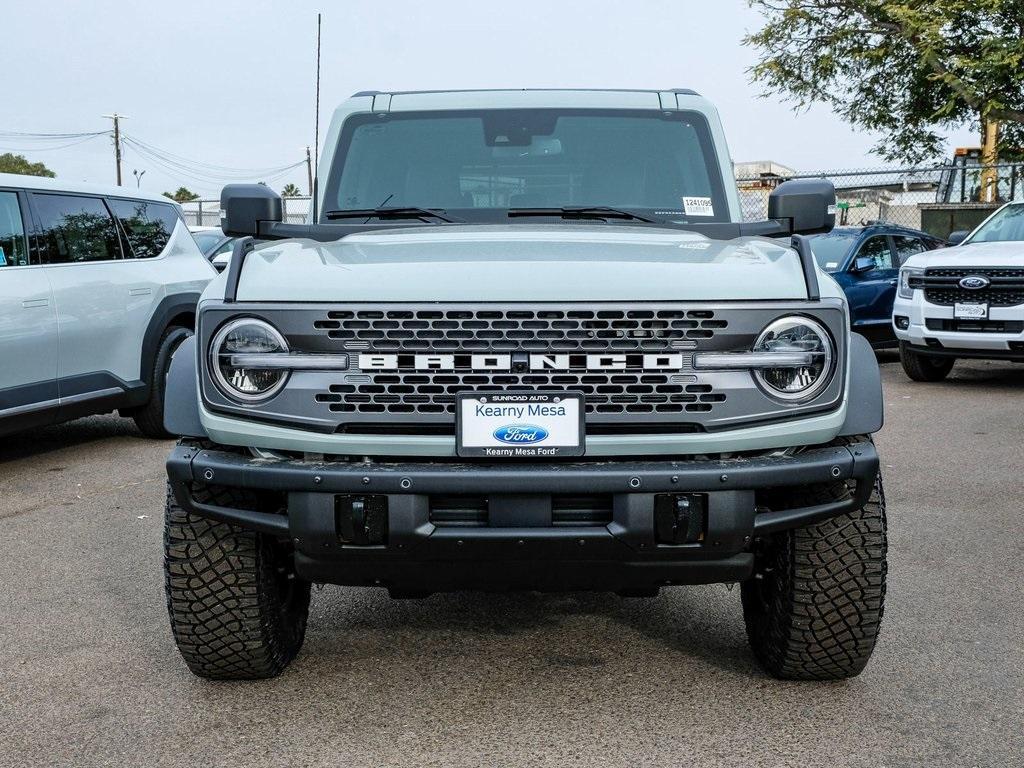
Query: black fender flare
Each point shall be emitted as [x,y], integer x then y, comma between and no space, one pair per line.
[166,310]
[181,393]
[864,407]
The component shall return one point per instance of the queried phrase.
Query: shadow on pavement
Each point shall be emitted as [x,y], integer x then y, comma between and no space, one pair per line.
[34,442]
[681,620]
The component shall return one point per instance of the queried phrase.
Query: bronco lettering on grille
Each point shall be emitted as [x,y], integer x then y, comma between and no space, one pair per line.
[457,362]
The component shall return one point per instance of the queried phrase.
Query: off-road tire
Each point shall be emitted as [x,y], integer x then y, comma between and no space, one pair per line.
[237,610]
[150,417]
[814,608]
[921,367]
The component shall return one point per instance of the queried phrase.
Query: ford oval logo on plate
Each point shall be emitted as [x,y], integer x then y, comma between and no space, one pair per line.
[520,434]
[975,282]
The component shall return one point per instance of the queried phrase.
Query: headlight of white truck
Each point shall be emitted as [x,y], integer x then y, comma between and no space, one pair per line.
[906,292]
[236,356]
[803,340]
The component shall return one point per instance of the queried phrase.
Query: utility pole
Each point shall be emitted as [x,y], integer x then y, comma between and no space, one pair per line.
[117,142]
[309,171]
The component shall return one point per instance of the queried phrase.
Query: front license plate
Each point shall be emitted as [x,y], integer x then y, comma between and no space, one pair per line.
[972,311]
[519,424]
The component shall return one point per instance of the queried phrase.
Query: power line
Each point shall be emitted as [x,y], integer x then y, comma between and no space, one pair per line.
[173,158]
[196,171]
[206,177]
[50,149]
[28,136]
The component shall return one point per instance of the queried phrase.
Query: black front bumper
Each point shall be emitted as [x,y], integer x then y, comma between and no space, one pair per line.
[519,548]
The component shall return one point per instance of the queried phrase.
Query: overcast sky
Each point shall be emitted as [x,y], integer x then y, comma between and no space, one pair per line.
[229,83]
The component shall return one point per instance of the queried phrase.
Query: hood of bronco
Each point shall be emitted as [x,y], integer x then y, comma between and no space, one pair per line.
[561,262]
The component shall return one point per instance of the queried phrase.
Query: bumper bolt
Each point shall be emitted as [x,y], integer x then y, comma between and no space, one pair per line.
[406,483]
[836,472]
[675,478]
[366,481]
[318,479]
[208,474]
[634,482]
[724,478]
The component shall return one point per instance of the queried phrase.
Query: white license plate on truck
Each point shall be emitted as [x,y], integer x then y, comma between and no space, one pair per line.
[519,424]
[970,311]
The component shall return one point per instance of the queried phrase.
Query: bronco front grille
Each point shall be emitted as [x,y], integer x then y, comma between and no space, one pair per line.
[430,392]
[631,362]
[941,286]
[542,330]
[496,330]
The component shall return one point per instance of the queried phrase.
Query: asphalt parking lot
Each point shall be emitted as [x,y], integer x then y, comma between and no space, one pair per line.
[89,674]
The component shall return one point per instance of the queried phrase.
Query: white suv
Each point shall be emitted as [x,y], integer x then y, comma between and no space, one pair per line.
[966,301]
[98,287]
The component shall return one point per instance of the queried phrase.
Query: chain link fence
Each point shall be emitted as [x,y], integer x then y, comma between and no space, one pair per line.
[206,213]
[937,199]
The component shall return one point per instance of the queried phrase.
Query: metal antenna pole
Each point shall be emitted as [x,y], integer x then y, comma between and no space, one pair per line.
[314,186]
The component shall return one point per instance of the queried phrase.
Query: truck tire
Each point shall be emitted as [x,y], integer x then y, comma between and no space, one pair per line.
[814,608]
[921,367]
[150,417]
[237,611]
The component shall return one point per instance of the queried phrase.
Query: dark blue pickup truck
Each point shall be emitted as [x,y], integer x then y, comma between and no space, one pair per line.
[866,261]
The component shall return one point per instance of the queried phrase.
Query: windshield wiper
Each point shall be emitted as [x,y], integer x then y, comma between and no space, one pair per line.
[581,212]
[392,213]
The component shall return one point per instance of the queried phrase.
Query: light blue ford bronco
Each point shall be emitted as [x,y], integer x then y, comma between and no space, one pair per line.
[525,341]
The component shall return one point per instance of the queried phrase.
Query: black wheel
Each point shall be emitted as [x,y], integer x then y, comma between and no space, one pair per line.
[237,610]
[150,417]
[921,367]
[815,605]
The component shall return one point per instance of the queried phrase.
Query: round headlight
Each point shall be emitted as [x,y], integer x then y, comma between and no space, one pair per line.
[796,335]
[240,337]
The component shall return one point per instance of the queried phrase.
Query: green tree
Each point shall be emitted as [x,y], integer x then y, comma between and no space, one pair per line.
[182,195]
[908,69]
[290,190]
[11,163]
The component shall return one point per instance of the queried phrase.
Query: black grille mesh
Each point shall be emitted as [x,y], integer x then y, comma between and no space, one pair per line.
[430,392]
[500,330]
[1007,289]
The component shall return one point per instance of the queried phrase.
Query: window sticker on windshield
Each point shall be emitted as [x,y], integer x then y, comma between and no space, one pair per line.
[832,265]
[698,206]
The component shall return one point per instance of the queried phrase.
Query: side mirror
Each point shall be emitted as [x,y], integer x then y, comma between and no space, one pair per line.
[955,238]
[863,264]
[809,205]
[243,207]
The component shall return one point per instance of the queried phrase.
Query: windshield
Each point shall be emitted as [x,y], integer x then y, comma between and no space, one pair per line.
[830,250]
[1005,225]
[480,164]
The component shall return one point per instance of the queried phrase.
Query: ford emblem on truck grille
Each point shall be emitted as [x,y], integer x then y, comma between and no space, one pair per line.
[975,282]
